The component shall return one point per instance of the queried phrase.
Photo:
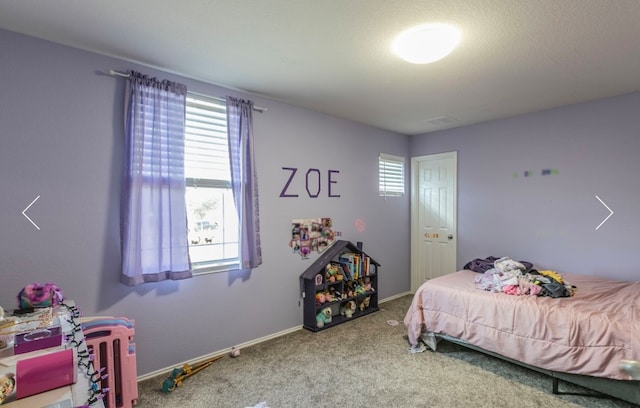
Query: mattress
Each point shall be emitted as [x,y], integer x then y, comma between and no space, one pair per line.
[588,333]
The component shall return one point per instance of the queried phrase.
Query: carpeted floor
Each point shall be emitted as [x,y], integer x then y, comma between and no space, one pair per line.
[364,363]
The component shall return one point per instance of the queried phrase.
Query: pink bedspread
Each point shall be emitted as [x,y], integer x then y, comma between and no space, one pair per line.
[587,334]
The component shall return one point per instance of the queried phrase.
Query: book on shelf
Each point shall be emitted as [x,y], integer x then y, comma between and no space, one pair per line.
[356,266]
[346,271]
[372,269]
[348,260]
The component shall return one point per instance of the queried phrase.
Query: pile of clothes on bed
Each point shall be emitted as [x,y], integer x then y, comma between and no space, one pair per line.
[518,278]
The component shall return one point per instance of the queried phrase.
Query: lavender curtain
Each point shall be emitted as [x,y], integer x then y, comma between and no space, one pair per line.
[154,215]
[244,180]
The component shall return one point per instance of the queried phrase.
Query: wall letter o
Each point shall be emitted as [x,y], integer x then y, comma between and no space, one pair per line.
[307,183]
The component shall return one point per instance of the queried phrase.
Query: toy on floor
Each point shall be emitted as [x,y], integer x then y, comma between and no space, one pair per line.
[179,374]
[262,404]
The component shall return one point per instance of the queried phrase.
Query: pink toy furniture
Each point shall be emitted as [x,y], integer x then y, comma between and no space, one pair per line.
[46,372]
[110,340]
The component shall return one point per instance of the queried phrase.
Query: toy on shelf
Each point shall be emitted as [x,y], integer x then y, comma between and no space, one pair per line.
[179,374]
[323,317]
[333,273]
[328,297]
[344,279]
[367,284]
[364,303]
[348,308]
[335,295]
[349,289]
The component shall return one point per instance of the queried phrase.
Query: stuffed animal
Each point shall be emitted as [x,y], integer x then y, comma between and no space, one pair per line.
[335,295]
[333,273]
[367,284]
[349,289]
[320,298]
[364,303]
[347,309]
[323,317]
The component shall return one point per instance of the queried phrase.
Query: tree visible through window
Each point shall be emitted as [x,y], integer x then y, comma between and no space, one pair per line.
[212,218]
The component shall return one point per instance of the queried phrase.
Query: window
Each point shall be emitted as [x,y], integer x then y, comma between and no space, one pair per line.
[212,218]
[391,175]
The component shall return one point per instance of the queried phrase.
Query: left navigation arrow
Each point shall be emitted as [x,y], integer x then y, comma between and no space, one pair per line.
[24,212]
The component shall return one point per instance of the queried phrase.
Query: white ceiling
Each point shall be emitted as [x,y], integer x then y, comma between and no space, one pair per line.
[333,56]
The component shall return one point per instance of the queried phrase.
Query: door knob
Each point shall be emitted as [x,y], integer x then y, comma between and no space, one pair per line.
[450,236]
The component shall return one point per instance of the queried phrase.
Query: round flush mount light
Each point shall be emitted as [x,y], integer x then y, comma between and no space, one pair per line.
[426,43]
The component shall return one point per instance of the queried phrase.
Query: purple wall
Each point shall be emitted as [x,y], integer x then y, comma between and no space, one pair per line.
[61,139]
[590,149]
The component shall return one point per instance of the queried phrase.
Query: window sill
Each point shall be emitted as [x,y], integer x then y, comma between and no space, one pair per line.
[214,267]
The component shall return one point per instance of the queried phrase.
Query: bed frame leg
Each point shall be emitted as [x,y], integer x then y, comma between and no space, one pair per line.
[555,385]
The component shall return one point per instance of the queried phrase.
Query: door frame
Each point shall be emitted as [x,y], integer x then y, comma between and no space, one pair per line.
[415,197]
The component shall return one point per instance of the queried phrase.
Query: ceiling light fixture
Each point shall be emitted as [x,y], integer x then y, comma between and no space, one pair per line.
[426,43]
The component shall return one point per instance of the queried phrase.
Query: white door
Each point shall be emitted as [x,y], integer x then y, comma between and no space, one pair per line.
[433,216]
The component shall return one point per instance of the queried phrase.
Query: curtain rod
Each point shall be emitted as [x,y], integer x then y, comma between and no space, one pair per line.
[113,72]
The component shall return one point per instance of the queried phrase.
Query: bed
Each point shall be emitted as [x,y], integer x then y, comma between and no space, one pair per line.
[580,339]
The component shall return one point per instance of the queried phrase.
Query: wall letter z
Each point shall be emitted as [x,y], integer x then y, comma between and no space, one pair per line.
[283,193]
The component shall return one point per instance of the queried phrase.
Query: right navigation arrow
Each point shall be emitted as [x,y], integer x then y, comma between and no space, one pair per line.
[610,213]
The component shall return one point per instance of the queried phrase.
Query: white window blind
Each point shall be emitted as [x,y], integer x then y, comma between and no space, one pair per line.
[206,142]
[391,175]
[212,219]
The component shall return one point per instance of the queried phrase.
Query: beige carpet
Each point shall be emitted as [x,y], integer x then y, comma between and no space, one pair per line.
[363,363]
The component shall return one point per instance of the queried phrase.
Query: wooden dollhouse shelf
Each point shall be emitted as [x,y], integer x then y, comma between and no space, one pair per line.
[341,285]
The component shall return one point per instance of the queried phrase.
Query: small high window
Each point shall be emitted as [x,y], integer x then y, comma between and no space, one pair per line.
[390,175]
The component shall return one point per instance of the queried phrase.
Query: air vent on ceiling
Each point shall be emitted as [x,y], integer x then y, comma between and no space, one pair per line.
[441,120]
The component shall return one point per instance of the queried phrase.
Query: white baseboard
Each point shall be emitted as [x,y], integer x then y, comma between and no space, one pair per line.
[399,295]
[247,344]
[218,353]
